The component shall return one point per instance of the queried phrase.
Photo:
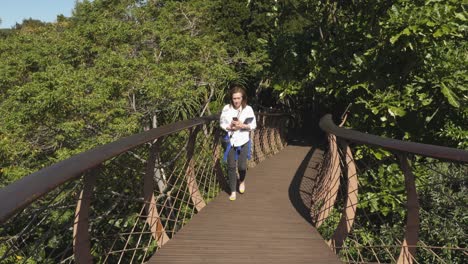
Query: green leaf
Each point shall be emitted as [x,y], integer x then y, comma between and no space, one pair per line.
[460,16]
[395,38]
[430,23]
[364,86]
[450,95]
[406,32]
[358,59]
[396,111]
[439,33]
[262,41]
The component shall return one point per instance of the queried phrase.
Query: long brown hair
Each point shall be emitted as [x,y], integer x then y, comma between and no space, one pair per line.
[238,89]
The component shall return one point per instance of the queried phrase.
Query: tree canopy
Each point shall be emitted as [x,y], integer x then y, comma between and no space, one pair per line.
[115,68]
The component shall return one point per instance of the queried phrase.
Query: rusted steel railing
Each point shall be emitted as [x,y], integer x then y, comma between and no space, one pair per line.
[120,202]
[365,226]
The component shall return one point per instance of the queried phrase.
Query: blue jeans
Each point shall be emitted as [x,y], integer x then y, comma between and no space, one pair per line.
[240,165]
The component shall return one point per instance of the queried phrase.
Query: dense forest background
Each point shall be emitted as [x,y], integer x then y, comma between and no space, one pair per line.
[115,68]
[118,67]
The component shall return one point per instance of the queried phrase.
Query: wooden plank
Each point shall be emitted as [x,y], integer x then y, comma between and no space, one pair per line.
[264,225]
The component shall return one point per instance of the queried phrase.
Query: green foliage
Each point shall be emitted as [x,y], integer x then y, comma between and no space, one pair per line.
[402,64]
[116,68]
[247,29]
[384,191]
[442,189]
[105,73]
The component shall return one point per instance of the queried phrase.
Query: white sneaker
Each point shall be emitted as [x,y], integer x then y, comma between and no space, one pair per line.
[233,196]
[242,187]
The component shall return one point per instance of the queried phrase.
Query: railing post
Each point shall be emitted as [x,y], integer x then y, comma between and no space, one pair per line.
[271,135]
[81,236]
[349,210]
[257,149]
[263,137]
[285,121]
[252,162]
[408,250]
[332,181]
[153,217]
[278,143]
[217,162]
[194,190]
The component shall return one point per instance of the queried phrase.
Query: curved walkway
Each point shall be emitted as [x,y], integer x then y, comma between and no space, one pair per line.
[267,224]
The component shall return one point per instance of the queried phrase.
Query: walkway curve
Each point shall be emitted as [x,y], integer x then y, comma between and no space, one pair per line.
[264,225]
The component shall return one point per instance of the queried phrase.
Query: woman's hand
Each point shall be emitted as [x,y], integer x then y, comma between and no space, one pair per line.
[237,125]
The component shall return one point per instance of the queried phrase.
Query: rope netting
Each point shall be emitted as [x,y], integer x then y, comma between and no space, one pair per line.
[374,205]
[127,207]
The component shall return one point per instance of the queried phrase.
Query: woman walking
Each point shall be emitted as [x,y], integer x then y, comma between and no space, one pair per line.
[237,119]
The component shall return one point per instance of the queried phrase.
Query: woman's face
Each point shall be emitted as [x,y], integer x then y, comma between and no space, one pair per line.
[237,100]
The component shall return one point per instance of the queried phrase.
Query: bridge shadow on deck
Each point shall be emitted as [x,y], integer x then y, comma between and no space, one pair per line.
[270,223]
[302,185]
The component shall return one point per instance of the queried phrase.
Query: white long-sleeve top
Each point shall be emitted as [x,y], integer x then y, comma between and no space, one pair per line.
[238,137]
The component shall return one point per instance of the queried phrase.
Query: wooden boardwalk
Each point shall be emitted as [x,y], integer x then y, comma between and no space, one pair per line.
[264,225]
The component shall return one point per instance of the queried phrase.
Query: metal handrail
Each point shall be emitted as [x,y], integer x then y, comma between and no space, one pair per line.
[21,193]
[33,186]
[159,199]
[339,170]
[445,153]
